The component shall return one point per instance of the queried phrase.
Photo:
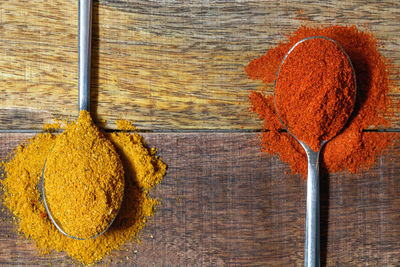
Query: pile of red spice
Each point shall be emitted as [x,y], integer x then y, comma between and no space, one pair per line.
[352,148]
[315,91]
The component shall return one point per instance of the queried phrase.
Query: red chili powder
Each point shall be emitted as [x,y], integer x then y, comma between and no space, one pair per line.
[352,148]
[315,91]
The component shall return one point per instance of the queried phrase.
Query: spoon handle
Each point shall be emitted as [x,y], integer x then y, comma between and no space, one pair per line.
[85,34]
[311,252]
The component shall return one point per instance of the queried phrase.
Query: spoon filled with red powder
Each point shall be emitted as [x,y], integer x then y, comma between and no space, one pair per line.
[315,80]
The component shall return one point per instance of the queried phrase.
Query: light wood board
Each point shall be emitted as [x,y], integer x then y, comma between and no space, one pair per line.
[164,64]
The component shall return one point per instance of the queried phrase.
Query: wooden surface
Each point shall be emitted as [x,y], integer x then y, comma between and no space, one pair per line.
[179,65]
[223,205]
[164,64]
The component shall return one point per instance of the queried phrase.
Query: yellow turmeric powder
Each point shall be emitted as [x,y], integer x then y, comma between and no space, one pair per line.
[142,168]
[125,125]
[83,179]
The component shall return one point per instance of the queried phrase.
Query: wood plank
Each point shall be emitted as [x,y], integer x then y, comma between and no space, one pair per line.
[223,205]
[166,65]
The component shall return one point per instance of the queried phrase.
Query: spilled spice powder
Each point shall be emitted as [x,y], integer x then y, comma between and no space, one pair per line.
[315,91]
[142,168]
[353,148]
[83,179]
[125,125]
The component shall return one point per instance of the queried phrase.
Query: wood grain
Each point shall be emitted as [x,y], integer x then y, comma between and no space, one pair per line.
[164,64]
[223,205]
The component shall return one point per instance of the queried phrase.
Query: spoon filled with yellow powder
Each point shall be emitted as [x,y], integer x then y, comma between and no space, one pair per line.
[83,178]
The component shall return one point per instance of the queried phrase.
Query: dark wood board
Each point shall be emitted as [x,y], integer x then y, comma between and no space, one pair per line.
[223,205]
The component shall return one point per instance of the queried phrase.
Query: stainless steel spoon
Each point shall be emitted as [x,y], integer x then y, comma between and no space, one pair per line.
[312,238]
[85,23]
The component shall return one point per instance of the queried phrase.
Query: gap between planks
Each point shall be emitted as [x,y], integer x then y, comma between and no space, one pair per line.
[184,131]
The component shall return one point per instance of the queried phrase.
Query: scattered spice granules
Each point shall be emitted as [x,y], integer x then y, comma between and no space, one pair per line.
[143,170]
[315,91]
[353,148]
[125,125]
[83,179]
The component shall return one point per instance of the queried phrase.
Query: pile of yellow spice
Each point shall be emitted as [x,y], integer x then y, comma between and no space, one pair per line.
[83,180]
[142,171]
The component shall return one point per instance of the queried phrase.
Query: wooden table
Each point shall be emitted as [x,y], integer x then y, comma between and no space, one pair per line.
[177,69]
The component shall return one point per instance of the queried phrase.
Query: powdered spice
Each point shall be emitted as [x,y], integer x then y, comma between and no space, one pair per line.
[353,148]
[142,168]
[83,179]
[315,91]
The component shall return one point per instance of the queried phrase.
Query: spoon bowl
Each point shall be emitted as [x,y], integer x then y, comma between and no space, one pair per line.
[323,142]
[54,220]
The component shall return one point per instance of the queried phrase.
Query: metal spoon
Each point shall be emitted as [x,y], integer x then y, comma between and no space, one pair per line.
[85,22]
[312,238]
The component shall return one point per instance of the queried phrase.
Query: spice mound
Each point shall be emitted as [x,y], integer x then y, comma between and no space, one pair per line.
[83,180]
[315,91]
[352,149]
[143,170]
